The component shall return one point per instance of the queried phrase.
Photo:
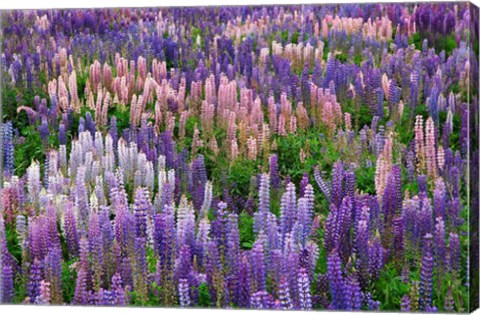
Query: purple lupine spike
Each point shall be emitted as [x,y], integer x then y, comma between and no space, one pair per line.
[449,303]
[140,268]
[284,295]
[322,290]
[439,198]
[361,247]
[53,274]
[372,305]
[43,130]
[337,282]
[376,254]
[405,305]
[62,135]
[118,290]
[183,293]
[8,149]
[353,299]
[288,209]
[261,300]
[303,184]
[142,208]
[337,183]
[304,295]
[426,274]
[244,287]
[350,180]
[304,219]
[164,237]
[213,270]
[275,181]
[440,247]
[454,252]
[322,184]
[83,274]
[392,196]
[183,265]
[7,289]
[35,279]
[202,241]
[233,254]
[398,238]
[422,184]
[258,266]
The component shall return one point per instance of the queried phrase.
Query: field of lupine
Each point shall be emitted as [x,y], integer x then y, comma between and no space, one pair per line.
[294,157]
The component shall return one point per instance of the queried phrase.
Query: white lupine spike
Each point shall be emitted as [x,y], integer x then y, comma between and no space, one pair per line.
[86,140]
[33,181]
[63,157]
[207,200]
[108,162]
[88,164]
[149,175]
[98,144]
[138,179]
[161,161]
[171,178]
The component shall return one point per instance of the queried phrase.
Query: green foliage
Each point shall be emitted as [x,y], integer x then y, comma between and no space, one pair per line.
[13,245]
[390,288]
[204,299]
[31,150]
[69,276]
[245,224]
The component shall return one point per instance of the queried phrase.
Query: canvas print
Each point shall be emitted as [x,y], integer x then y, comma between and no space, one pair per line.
[284,157]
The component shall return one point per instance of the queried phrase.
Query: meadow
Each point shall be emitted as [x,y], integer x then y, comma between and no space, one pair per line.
[296,157]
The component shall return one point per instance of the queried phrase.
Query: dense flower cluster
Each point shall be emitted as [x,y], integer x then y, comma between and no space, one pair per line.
[296,157]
